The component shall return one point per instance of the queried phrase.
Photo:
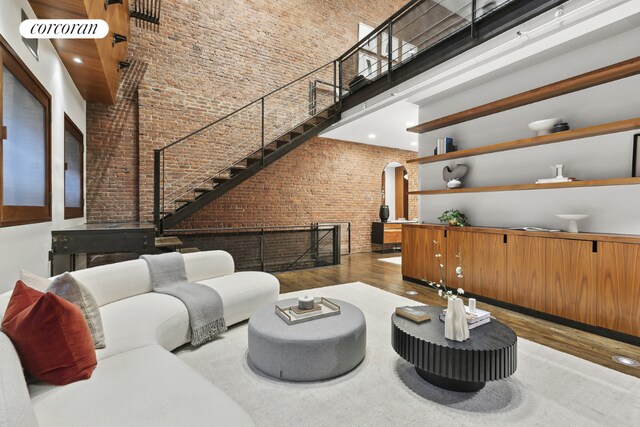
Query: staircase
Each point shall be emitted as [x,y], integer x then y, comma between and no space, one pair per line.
[199,168]
[215,186]
[204,165]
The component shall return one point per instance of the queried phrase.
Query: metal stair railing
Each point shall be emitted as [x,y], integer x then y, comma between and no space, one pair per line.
[269,248]
[204,172]
[229,140]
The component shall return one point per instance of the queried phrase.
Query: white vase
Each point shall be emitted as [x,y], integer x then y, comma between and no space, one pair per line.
[455,321]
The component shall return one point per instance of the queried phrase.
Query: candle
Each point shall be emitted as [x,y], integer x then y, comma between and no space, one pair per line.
[472,305]
[305,302]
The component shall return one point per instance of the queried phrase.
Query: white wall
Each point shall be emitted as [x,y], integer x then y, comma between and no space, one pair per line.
[612,209]
[27,246]
[390,189]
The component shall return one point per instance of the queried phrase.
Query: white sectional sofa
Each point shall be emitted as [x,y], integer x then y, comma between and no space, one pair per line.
[138,381]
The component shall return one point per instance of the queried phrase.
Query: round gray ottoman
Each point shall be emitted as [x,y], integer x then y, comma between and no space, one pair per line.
[310,351]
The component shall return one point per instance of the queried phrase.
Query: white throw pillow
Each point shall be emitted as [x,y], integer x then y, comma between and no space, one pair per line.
[34,281]
[67,287]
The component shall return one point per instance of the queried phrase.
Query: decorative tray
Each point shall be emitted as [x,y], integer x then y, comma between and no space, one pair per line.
[322,307]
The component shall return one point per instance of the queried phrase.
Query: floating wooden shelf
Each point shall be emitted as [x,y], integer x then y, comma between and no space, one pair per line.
[521,187]
[597,77]
[608,128]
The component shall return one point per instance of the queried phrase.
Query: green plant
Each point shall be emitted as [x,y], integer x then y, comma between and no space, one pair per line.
[454,217]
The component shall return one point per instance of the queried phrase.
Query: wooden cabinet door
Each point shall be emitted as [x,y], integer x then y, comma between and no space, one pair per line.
[618,303]
[459,242]
[526,272]
[488,262]
[571,269]
[483,259]
[418,252]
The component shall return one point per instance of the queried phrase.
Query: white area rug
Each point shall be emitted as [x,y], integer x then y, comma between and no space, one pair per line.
[397,260]
[549,388]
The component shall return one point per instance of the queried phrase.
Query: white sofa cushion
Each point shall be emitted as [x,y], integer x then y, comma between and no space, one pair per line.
[115,282]
[142,320]
[208,264]
[144,387]
[244,292]
[154,318]
[15,405]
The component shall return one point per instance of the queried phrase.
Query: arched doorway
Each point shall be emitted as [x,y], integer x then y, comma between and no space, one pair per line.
[395,190]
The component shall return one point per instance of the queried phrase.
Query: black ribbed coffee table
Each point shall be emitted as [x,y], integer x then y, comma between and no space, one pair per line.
[489,354]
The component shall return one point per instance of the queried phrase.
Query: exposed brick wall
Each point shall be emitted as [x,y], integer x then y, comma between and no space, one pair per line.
[322,180]
[112,154]
[208,58]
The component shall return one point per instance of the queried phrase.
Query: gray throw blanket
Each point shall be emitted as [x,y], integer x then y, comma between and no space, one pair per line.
[169,276]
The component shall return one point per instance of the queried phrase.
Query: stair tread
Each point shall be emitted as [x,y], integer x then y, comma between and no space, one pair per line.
[168,241]
[258,155]
[189,250]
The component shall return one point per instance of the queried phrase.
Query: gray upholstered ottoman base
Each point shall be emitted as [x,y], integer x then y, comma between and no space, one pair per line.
[310,351]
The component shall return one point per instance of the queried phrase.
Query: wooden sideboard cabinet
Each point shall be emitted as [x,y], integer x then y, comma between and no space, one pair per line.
[593,279]
[386,233]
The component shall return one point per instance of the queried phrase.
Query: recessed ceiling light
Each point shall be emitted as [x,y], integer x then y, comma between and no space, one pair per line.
[409,124]
[411,293]
[372,136]
[627,361]
[414,143]
[78,60]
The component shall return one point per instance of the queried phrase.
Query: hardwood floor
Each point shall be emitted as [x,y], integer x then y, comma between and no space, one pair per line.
[366,268]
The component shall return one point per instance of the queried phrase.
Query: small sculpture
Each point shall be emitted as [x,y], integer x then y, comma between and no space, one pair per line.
[559,177]
[453,177]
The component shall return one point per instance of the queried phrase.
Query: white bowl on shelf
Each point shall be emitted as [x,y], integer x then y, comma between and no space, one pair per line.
[573,220]
[544,127]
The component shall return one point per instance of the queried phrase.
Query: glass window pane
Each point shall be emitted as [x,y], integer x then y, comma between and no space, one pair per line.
[23,153]
[73,172]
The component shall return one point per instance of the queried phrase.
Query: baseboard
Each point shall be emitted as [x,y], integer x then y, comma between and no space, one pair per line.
[608,333]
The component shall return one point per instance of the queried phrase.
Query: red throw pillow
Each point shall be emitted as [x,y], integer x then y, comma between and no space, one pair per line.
[50,335]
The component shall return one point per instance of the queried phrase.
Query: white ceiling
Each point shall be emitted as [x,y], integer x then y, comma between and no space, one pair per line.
[387,124]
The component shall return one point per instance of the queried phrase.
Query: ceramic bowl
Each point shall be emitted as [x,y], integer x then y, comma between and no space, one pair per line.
[573,221]
[544,127]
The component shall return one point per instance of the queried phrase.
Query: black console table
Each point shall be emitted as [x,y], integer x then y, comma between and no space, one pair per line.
[489,354]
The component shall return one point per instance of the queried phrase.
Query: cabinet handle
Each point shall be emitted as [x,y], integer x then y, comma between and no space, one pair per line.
[504,238]
[594,246]
[4,132]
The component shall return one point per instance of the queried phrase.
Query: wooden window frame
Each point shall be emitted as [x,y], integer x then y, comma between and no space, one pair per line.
[19,215]
[69,126]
